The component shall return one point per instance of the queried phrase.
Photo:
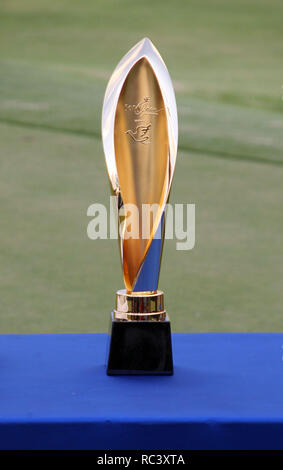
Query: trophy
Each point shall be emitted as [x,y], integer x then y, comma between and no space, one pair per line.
[140,136]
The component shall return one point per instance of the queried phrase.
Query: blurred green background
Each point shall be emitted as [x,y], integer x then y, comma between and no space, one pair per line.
[225,59]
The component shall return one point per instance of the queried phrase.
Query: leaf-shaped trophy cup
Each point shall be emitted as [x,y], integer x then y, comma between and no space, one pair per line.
[140,135]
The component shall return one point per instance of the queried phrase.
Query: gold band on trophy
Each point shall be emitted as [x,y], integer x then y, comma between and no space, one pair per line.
[138,306]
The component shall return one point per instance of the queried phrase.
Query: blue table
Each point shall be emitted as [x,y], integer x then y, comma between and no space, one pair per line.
[227,393]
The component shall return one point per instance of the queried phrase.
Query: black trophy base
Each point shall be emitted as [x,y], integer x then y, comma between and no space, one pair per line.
[140,348]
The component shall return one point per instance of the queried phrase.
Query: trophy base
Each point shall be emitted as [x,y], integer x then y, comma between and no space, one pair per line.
[140,348]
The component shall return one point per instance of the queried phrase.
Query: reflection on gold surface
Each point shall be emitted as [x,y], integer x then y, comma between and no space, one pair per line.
[139,306]
[142,157]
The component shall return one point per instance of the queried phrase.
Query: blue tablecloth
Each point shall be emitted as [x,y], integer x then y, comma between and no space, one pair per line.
[227,393]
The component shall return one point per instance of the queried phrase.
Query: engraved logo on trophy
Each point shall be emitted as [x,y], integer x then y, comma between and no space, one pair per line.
[142,131]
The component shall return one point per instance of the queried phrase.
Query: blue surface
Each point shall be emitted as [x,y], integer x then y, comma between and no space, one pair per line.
[227,393]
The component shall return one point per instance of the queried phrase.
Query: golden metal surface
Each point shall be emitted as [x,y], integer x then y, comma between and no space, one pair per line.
[139,306]
[141,154]
[141,302]
[128,316]
[140,136]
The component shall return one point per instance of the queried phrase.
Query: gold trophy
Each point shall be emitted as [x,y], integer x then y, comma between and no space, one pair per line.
[140,137]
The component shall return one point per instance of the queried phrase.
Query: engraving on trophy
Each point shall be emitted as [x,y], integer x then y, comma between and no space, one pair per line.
[142,131]
[143,107]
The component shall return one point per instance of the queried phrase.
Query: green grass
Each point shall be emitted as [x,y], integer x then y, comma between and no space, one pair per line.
[225,58]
